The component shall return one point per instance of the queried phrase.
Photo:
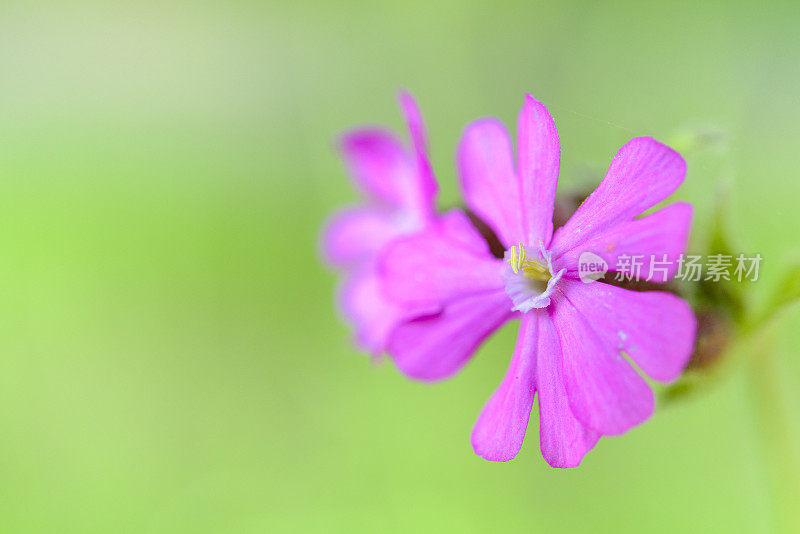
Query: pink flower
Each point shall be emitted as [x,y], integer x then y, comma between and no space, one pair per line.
[572,334]
[398,190]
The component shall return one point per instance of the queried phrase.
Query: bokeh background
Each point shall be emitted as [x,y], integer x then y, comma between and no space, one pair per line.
[170,357]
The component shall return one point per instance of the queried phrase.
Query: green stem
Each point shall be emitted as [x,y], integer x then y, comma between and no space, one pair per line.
[773,422]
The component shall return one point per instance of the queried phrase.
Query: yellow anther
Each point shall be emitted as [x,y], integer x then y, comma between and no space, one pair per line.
[529,268]
[517,258]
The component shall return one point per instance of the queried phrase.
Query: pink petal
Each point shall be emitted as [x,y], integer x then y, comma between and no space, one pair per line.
[657,240]
[643,173]
[563,439]
[446,260]
[539,156]
[372,315]
[656,329]
[536,364]
[500,429]
[604,391]
[357,234]
[382,168]
[437,346]
[413,118]
[488,181]
[416,127]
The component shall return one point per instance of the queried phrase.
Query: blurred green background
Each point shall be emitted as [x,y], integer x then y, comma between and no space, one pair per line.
[170,358]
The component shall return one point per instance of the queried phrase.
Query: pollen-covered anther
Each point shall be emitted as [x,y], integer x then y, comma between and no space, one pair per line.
[531,269]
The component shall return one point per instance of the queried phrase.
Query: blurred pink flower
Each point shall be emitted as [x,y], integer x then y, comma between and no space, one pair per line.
[572,334]
[398,188]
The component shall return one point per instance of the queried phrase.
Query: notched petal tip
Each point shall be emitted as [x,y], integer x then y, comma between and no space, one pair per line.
[500,430]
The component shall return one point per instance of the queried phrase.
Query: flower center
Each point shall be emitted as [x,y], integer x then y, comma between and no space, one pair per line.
[521,264]
[529,282]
